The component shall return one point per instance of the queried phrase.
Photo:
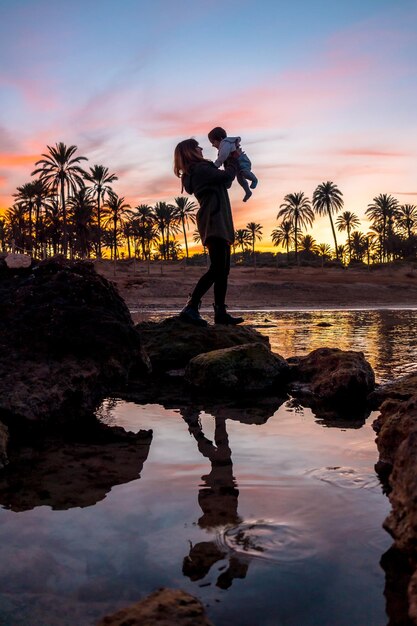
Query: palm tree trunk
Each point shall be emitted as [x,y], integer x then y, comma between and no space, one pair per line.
[99,222]
[115,237]
[185,237]
[64,219]
[333,230]
[349,246]
[296,239]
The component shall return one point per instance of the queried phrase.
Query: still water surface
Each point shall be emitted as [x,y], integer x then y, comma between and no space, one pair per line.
[269,521]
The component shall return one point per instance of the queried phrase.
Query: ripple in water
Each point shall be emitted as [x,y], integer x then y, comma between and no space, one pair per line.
[345,477]
[270,540]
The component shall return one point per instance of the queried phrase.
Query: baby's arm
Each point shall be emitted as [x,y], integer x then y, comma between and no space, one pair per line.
[224,152]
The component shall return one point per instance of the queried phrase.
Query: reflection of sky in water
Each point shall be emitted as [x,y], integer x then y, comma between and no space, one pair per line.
[272,484]
[387,337]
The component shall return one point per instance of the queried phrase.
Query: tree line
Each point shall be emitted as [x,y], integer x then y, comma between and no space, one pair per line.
[74,211]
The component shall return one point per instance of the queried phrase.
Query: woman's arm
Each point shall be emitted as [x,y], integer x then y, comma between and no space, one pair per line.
[206,174]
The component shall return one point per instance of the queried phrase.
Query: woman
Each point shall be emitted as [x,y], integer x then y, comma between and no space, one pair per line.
[215,225]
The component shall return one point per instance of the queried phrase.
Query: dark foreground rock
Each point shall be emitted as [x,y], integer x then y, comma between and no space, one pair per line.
[166,607]
[4,437]
[72,468]
[334,376]
[396,427]
[401,389]
[246,368]
[66,338]
[172,343]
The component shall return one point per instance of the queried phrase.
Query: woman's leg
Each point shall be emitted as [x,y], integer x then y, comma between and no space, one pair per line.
[221,268]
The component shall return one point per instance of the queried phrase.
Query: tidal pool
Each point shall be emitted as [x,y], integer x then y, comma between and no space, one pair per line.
[270,517]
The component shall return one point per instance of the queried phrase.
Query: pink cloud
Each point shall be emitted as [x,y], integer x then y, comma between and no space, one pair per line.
[372,152]
[282,102]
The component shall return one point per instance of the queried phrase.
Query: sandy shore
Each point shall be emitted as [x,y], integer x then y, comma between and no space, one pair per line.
[167,287]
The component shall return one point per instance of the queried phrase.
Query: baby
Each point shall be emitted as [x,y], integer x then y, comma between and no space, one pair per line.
[226,145]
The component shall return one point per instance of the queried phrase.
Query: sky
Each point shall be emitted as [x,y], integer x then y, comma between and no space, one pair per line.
[317,90]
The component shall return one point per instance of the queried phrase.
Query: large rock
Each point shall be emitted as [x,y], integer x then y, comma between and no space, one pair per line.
[66,338]
[334,375]
[171,344]
[396,421]
[4,438]
[401,389]
[402,521]
[396,427]
[74,468]
[249,367]
[18,261]
[166,607]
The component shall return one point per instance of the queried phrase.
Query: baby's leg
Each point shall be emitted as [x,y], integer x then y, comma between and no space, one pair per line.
[250,176]
[243,182]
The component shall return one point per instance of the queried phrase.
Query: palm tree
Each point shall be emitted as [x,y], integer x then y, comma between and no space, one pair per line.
[283,235]
[116,211]
[60,170]
[359,245]
[407,217]
[308,245]
[242,238]
[101,179]
[41,199]
[17,225]
[3,234]
[186,213]
[346,221]
[324,251]
[383,211]
[80,216]
[26,198]
[160,215]
[327,199]
[255,232]
[297,209]
[143,220]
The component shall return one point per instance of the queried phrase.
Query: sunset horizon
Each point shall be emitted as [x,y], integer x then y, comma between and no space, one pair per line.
[337,107]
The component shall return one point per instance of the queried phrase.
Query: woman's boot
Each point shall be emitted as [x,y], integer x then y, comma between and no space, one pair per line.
[221,316]
[191,313]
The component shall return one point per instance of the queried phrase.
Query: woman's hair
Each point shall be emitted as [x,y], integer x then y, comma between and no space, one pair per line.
[185,155]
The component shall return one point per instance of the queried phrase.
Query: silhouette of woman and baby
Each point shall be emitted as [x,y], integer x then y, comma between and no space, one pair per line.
[209,184]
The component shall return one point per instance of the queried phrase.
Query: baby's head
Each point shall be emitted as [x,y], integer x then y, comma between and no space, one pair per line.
[216,135]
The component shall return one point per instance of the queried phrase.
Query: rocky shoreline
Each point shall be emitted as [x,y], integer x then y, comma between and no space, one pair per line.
[68,341]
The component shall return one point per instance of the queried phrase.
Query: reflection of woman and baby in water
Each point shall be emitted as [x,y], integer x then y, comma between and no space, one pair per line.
[218,499]
[209,185]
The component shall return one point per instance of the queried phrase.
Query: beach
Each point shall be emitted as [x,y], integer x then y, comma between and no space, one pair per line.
[167,286]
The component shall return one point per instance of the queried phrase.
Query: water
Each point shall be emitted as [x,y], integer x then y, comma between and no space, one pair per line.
[270,520]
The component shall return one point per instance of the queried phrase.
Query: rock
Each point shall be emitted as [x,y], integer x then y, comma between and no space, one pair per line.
[166,607]
[171,343]
[18,261]
[4,437]
[402,388]
[75,468]
[334,375]
[412,598]
[397,444]
[402,521]
[66,338]
[249,367]
[397,420]
[397,579]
